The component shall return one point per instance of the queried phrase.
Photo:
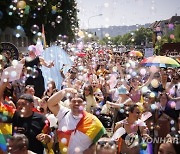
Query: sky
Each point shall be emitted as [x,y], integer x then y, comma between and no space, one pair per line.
[124,12]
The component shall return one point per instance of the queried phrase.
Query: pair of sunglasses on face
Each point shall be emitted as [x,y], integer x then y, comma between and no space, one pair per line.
[103,143]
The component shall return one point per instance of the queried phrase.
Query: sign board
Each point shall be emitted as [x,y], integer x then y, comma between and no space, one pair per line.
[148,52]
[170,50]
[10,50]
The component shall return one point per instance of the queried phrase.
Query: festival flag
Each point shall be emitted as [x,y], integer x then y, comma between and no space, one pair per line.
[43,36]
[6,114]
[89,125]
[92,127]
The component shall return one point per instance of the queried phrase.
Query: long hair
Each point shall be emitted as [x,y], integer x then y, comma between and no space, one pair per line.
[90,88]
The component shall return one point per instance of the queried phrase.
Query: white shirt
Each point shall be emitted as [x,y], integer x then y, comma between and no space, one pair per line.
[78,140]
[177,95]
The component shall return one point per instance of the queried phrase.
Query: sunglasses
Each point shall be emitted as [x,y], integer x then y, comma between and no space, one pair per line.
[103,143]
[156,76]
[175,78]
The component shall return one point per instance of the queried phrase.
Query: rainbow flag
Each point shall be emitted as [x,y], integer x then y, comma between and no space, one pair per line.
[89,125]
[6,114]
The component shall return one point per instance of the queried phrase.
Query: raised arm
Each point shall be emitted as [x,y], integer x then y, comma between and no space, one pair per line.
[44,63]
[54,100]
[3,86]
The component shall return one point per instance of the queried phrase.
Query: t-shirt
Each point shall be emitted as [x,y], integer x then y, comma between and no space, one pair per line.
[177,94]
[32,126]
[90,102]
[67,121]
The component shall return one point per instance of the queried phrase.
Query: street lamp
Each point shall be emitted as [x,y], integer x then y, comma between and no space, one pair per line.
[93,17]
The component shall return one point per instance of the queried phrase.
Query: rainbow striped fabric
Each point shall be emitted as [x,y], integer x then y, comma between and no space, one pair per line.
[92,127]
[6,114]
[89,125]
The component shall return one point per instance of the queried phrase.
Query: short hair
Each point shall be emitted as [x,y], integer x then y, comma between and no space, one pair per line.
[27,97]
[78,95]
[20,141]
[132,107]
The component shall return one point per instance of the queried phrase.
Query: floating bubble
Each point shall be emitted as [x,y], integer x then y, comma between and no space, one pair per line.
[106,35]
[172,104]
[58,19]
[21,4]
[13,74]
[98,112]
[172,36]
[155,83]
[173,129]
[5,80]
[89,35]
[58,4]
[171,26]
[172,122]
[158,38]
[14,8]
[10,13]
[81,108]
[152,95]
[151,127]
[133,73]
[158,29]
[22,110]
[128,65]
[81,68]
[77,150]
[53,11]
[6,73]
[106,5]
[35,29]
[153,106]
[34,15]
[121,110]
[143,71]
[18,35]
[15,62]
[64,140]
[64,128]
[35,73]
[53,7]
[21,115]
[68,95]
[65,150]
[128,76]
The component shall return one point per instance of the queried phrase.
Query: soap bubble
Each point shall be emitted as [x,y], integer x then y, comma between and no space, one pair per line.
[34,29]
[58,19]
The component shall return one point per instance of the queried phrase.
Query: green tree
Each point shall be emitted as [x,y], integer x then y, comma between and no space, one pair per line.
[142,35]
[41,12]
[177,33]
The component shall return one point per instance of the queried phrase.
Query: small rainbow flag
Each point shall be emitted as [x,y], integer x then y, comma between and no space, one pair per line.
[89,125]
[6,114]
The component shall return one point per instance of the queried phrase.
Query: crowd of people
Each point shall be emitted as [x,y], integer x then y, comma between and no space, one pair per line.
[108,103]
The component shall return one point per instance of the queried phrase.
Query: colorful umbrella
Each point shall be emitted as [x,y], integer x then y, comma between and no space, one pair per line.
[81,54]
[160,61]
[135,53]
[178,59]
